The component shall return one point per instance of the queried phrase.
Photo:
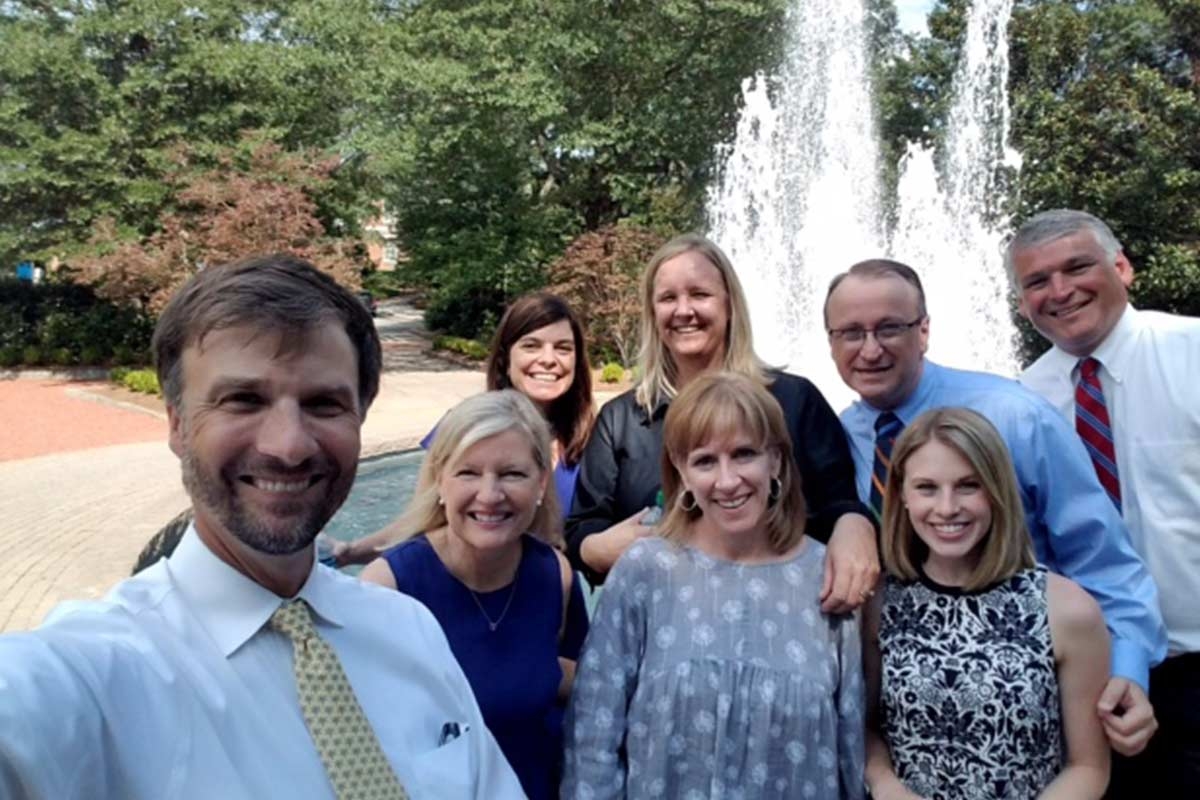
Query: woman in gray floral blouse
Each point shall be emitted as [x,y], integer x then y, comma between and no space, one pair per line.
[710,670]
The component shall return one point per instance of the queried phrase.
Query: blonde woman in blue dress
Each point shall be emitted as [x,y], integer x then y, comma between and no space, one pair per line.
[983,668]
[710,670]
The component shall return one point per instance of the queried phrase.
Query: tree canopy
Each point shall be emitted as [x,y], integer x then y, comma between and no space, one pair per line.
[496,132]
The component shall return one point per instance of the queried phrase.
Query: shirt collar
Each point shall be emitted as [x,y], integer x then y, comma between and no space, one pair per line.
[231,606]
[658,412]
[1115,352]
[915,402]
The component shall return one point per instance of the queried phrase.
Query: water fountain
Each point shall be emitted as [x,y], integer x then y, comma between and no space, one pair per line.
[798,199]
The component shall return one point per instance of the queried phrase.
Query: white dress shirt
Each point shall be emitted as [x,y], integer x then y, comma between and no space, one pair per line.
[172,688]
[1150,373]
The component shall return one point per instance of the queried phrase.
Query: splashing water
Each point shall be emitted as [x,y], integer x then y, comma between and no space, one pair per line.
[951,224]
[798,199]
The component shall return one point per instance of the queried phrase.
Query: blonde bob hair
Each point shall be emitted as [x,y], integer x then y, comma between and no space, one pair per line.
[659,373]
[1006,548]
[468,423]
[719,405]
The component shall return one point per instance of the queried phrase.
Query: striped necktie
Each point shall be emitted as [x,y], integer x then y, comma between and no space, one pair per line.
[887,428]
[1092,425]
[353,758]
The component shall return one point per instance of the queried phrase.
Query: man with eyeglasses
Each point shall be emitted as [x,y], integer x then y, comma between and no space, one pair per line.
[878,333]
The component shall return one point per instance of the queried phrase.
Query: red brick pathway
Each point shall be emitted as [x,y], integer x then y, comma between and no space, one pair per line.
[53,416]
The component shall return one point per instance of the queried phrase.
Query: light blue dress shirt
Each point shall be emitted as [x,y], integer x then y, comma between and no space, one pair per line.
[1076,530]
[173,688]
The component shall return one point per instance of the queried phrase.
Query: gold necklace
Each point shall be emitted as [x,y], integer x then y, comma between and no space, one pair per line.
[493,625]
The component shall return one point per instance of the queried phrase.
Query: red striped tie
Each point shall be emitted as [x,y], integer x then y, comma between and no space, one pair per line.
[1092,425]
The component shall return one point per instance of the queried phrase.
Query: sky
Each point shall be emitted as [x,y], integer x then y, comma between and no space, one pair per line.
[912,14]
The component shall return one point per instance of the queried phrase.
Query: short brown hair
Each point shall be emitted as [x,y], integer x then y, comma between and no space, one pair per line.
[878,268]
[277,292]
[570,416]
[1007,548]
[720,403]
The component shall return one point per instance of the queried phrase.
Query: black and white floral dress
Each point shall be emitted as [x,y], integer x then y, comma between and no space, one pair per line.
[969,693]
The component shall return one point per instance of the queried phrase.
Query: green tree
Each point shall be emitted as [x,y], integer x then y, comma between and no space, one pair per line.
[503,129]
[1106,109]
[1105,98]
[249,199]
[599,276]
[97,95]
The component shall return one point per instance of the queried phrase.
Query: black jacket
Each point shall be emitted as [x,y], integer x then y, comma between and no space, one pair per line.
[620,470]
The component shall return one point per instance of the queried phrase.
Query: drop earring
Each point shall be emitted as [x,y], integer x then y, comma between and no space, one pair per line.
[774,489]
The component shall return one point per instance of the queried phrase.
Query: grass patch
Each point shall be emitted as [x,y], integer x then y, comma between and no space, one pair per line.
[144,381]
[612,373]
[457,344]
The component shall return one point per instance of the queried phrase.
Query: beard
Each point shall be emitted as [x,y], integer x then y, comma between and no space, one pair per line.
[283,527]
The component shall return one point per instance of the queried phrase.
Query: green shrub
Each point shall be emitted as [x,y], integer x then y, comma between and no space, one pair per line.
[457,344]
[117,374]
[59,314]
[31,355]
[122,354]
[14,330]
[92,355]
[142,380]
[61,357]
[58,329]
[383,284]
[469,313]
[612,373]
[10,356]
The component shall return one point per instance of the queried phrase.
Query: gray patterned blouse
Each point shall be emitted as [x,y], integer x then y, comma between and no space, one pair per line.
[704,678]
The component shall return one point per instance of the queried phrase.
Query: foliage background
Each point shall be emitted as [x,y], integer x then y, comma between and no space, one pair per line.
[141,139]
[1105,98]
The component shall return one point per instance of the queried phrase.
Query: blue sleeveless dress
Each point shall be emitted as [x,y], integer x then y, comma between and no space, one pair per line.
[512,669]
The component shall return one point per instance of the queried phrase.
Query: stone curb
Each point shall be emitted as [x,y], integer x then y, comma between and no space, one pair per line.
[84,394]
[61,374]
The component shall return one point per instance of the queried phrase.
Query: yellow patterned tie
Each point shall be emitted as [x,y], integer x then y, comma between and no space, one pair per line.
[353,759]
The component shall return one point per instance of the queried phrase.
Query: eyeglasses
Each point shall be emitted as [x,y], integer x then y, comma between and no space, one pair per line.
[884,334]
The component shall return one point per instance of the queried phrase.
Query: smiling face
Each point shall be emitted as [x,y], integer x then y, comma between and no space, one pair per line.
[491,492]
[885,373]
[1072,290]
[541,364]
[949,509]
[691,309]
[268,436]
[730,477]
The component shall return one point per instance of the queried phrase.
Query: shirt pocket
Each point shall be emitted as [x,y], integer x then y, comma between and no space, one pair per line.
[1166,478]
[447,772]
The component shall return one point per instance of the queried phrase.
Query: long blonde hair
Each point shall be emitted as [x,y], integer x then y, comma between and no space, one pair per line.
[468,423]
[657,367]
[718,404]
[1006,549]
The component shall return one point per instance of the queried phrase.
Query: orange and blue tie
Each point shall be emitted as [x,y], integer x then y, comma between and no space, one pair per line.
[887,428]
[1092,425]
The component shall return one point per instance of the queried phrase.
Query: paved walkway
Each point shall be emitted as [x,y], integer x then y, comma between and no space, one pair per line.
[72,520]
[39,417]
